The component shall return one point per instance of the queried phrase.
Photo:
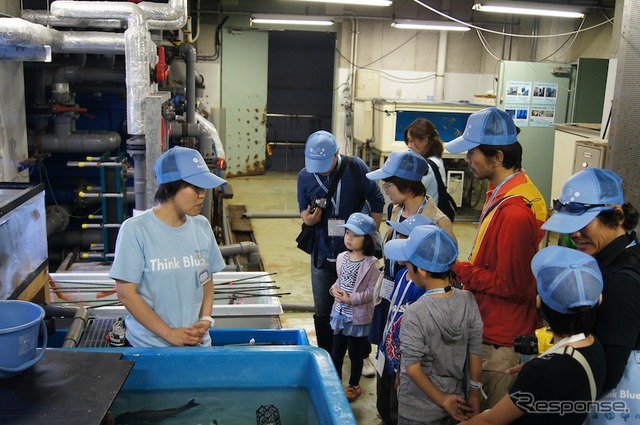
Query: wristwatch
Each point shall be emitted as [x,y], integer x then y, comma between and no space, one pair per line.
[209,319]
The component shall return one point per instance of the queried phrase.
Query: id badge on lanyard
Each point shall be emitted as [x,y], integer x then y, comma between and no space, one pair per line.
[334,228]
[202,273]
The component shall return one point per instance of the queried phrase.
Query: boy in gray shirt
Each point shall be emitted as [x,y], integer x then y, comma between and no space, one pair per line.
[440,333]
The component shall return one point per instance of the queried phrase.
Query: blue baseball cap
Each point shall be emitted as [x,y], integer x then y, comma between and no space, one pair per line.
[584,195]
[405,226]
[179,163]
[427,247]
[490,126]
[406,165]
[567,278]
[319,151]
[360,224]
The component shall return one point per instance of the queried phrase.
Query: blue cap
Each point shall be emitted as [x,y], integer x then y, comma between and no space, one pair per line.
[490,126]
[567,278]
[360,224]
[179,163]
[427,247]
[319,151]
[405,226]
[591,186]
[406,165]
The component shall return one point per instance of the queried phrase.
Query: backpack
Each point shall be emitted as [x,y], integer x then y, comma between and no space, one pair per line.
[446,204]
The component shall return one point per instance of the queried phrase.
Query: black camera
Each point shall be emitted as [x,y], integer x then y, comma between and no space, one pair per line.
[525,344]
[318,203]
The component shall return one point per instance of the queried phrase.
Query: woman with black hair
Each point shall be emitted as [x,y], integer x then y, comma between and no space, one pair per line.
[166,256]
[593,213]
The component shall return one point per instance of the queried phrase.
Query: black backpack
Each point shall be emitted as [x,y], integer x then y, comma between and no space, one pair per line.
[446,204]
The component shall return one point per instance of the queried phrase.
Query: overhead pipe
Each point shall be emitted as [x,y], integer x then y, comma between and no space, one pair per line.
[137,55]
[158,16]
[23,34]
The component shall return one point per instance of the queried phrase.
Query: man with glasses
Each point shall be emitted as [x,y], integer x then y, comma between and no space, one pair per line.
[592,211]
[509,233]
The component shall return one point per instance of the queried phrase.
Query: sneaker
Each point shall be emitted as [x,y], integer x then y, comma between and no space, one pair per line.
[353,392]
[368,371]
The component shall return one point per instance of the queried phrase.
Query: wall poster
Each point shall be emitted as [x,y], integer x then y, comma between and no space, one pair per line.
[542,115]
[519,114]
[518,92]
[546,93]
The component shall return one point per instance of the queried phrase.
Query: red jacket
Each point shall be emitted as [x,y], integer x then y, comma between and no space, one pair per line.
[499,273]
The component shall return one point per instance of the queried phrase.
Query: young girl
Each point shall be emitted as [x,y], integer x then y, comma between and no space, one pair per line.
[358,272]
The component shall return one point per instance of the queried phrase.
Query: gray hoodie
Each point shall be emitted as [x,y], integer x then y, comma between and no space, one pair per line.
[438,333]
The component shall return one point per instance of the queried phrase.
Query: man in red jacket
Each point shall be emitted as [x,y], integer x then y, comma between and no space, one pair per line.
[498,270]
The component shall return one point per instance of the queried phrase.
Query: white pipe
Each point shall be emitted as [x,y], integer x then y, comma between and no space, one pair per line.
[18,32]
[158,16]
[209,128]
[136,41]
[440,65]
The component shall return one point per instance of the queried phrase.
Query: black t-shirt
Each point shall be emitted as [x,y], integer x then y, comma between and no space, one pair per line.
[557,382]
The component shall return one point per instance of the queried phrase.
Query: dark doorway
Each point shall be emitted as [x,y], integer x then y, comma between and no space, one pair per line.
[299,93]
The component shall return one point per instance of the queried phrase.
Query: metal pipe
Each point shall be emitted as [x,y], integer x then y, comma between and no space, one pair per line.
[137,56]
[189,53]
[250,249]
[270,215]
[159,16]
[75,330]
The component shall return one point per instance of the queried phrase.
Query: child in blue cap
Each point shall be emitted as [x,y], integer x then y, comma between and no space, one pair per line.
[357,270]
[559,386]
[441,334]
[404,293]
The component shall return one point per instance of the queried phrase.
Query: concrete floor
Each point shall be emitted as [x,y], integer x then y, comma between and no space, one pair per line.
[275,193]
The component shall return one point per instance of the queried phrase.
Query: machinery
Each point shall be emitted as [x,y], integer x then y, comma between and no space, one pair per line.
[107,90]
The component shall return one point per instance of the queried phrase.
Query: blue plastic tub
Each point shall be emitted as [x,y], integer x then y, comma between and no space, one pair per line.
[264,368]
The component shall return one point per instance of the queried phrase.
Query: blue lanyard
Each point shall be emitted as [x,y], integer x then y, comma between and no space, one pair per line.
[336,199]
[494,194]
[438,290]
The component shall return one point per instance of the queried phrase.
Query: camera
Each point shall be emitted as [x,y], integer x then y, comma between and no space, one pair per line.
[525,344]
[318,203]
[533,344]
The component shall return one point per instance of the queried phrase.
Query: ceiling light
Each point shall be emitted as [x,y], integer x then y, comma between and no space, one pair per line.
[529,8]
[356,2]
[428,25]
[258,18]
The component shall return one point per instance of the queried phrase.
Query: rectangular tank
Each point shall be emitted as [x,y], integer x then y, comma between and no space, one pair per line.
[256,368]
[23,236]
[242,299]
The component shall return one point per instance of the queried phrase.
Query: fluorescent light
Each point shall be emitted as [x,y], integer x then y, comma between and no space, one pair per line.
[524,8]
[356,2]
[258,18]
[428,25]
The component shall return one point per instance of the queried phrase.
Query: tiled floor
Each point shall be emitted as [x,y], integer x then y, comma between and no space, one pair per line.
[275,193]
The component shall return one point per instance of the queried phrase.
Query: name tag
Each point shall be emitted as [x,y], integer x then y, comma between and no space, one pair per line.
[386,289]
[334,227]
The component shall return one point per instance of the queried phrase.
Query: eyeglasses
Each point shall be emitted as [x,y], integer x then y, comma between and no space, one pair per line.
[387,185]
[575,207]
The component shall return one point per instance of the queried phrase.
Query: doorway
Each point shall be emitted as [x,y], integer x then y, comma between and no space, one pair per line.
[299,94]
